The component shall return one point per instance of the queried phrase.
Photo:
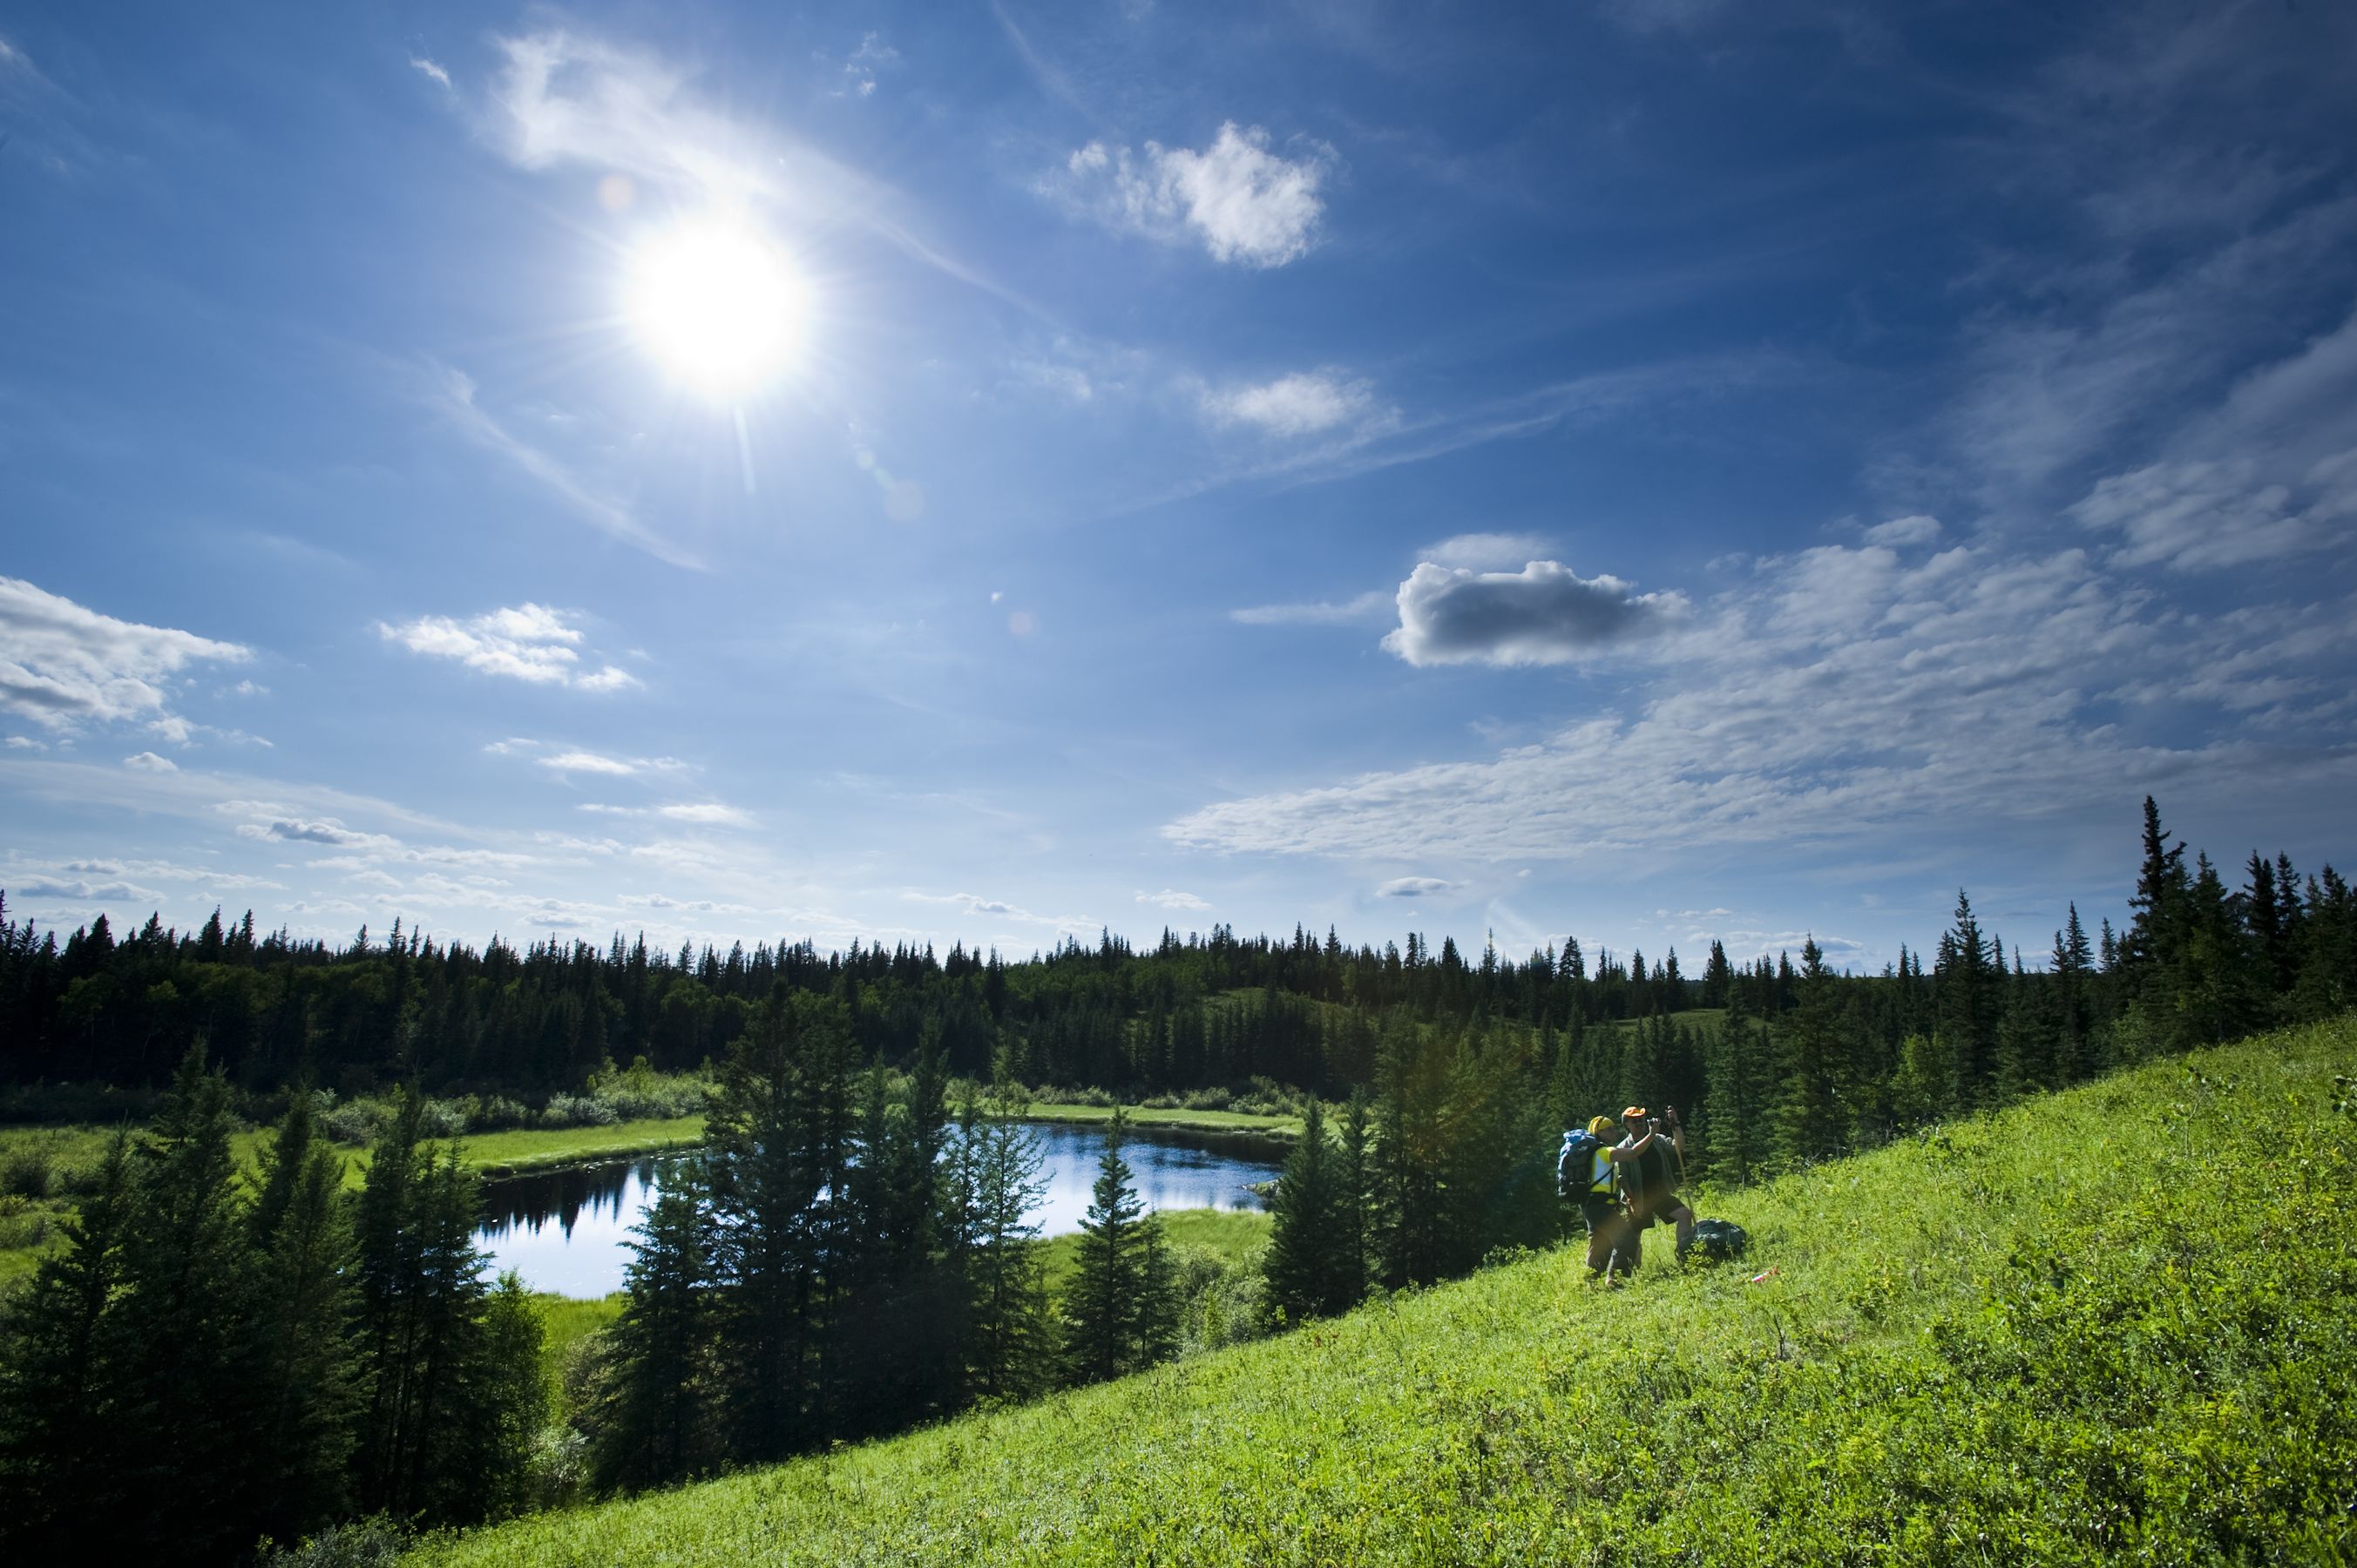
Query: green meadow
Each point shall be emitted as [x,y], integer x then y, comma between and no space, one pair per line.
[2116,1324]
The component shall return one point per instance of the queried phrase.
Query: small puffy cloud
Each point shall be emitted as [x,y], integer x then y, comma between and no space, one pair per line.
[612,678]
[65,666]
[25,743]
[1487,552]
[1413,887]
[1171,898]
[1302,404]
[1369,605]
[707,813]
[590,762]
[859,71]
[323,830]
[1544,614]
[527,643]
[1904,531]
[148,762]
[1244,203]
[430,69]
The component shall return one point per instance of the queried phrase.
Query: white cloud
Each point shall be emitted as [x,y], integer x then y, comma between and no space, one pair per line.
[1302,404]
[611,678]
[1413,887]
[1904,531]
[25,743]
[1544,614]
[2199,516]
[323,830]
[528,642]
[589,762]
[872,55]
[975,904]
[1843,691]
[1171,898]
[147,761]
[64,666]
[1368,607]
[708,813]
[1244,203]
[52,887]
[1487,552]
[430,69]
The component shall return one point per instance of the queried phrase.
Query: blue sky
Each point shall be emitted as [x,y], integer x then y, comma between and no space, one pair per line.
[1650,471]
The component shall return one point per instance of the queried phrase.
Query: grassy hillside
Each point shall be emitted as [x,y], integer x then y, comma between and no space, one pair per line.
[2119,1322]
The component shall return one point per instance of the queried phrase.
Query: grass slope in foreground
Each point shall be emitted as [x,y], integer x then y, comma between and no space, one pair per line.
[2117,1322]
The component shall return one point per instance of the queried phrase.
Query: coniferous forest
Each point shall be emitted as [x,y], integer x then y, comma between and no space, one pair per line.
[215,1357]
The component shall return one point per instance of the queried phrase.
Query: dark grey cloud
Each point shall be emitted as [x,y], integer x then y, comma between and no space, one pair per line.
[1544,614]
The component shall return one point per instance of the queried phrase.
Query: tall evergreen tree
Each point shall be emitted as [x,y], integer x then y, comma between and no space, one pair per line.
[306,1396]
[1308,1265]
[657,1421]
[1119,1312]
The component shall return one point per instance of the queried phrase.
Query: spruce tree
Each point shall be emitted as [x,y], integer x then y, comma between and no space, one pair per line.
[306,1396]
[1007,1327]
[656,1422]
[1119,1312]
[63,1394]
[1306,1264]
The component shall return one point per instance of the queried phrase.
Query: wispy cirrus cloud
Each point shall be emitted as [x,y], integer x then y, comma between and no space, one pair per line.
[1844,691]
[1373,606]
[528,642]
[453,393]
[1242,202]
[566,97]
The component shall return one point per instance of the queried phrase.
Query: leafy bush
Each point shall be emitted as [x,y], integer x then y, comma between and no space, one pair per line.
[354,1122]
[21,1224]
[372,1542]
[577,1111]
[24,1171]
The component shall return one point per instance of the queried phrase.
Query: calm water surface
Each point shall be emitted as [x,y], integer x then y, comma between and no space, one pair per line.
[565,1231]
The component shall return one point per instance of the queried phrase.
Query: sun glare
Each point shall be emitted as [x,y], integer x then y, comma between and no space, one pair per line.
[720,305]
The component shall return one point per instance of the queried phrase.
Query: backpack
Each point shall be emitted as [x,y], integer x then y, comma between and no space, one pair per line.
[1716,1240]
[1571,1167]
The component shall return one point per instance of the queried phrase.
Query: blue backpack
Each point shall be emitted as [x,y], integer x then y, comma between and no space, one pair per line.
[1572,1171]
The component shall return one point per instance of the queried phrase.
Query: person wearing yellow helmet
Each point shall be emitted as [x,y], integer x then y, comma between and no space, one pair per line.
[1586,1174]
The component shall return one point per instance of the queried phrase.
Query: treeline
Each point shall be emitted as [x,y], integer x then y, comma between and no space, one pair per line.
[211,1360]
[94,1006]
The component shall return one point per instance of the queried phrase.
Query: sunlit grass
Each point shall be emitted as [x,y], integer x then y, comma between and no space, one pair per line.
[2118,1323]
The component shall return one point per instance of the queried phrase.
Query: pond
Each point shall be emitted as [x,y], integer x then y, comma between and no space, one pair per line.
[566,1230]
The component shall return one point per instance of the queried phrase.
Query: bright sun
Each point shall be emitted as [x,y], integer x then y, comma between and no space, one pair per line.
[720,305]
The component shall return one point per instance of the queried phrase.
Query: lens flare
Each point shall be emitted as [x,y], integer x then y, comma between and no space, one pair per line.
[721,305]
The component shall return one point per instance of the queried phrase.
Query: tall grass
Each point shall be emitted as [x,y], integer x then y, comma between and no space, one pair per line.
[2119,1323]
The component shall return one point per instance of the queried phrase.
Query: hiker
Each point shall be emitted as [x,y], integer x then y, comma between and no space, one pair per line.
[1656,1163]
[1585,1171]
